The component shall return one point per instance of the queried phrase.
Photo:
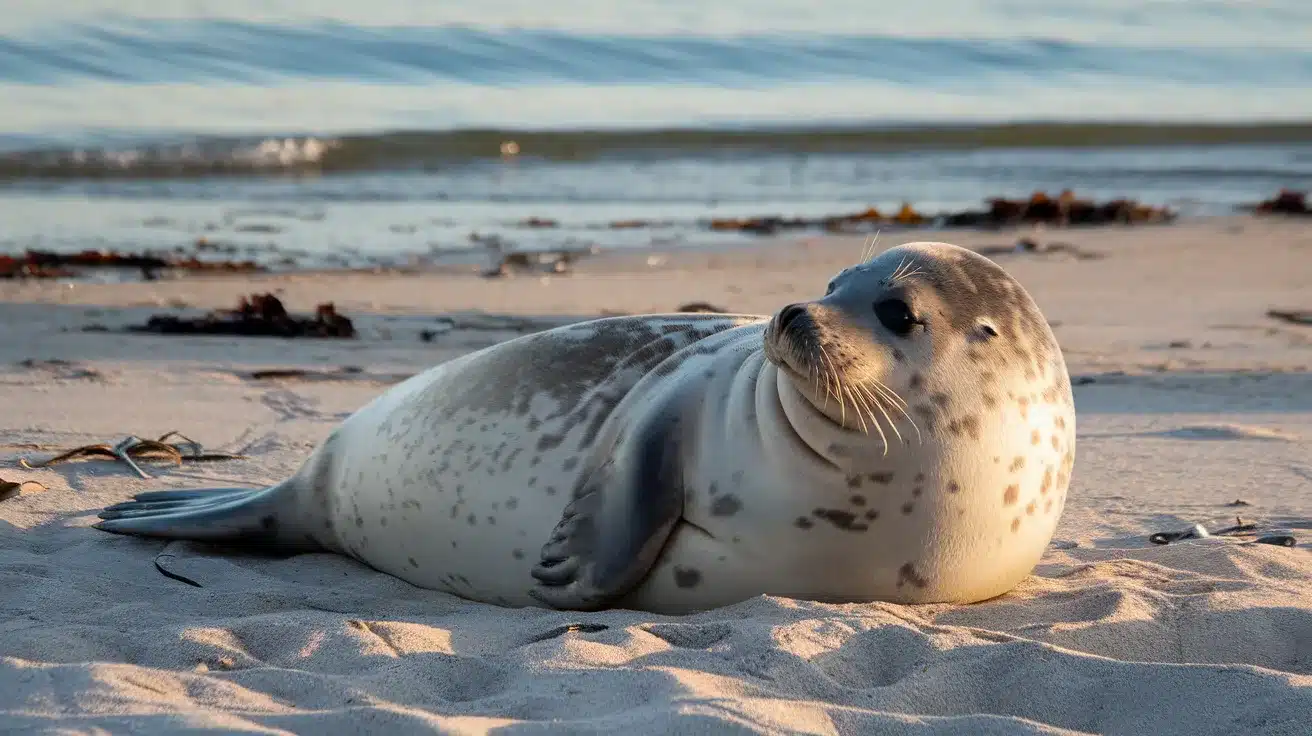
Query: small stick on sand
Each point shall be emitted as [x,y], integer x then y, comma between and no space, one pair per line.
[132,445]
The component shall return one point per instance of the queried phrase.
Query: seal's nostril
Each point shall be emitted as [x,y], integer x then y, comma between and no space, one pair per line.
[790,313]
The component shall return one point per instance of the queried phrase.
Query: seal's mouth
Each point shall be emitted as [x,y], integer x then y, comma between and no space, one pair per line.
[791,340]
[819,356]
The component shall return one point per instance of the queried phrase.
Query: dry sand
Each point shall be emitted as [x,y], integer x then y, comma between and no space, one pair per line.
[1189,398]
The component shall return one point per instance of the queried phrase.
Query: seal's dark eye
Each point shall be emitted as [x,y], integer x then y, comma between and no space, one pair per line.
[896,316]
[830,289]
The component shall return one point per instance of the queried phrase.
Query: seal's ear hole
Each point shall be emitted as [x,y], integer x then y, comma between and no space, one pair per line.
[985,331]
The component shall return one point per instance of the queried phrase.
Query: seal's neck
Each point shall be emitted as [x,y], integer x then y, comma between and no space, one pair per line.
[853,438]
[787,415]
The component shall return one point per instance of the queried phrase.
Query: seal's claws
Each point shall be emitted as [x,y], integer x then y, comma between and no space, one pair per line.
[557,573]
[562,599]
[545,597]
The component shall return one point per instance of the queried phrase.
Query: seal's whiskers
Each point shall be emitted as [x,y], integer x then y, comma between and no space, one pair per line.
[901,409]
[861,400]
[871,384]
[857,405]
[891,396]
[876,400]
[816,375]
[869,248]
[833,382]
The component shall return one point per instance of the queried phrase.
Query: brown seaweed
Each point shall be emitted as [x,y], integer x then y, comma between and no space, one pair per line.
[259,315]
[1286,202]
[39,264]
[131,448]
[1061,211]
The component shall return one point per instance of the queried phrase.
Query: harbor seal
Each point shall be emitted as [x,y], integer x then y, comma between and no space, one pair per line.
[908,436]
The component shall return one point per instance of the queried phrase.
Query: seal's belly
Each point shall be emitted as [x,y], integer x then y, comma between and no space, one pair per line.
[454,479]
[465,508]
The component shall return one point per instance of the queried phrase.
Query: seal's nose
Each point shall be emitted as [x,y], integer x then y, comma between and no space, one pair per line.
[789,314]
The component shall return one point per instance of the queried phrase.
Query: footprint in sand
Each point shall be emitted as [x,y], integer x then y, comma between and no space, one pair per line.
[289,405]
[689,636]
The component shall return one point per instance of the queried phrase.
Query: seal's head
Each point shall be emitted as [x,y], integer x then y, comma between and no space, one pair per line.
[930,385]
[918,315]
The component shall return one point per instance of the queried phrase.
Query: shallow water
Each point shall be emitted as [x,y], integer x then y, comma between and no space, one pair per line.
[378,115]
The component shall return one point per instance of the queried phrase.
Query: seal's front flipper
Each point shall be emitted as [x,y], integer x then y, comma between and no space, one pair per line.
[205,515]
[612,533]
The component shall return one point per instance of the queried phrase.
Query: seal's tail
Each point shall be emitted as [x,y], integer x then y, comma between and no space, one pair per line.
[246,515]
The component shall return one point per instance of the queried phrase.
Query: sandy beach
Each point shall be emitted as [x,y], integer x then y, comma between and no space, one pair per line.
[1194,406]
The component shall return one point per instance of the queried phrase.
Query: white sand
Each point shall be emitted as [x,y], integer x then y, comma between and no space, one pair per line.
[1110,635]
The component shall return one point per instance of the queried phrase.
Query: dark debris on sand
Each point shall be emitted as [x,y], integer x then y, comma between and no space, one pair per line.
[1061,211]
[13,489]
[1286,202]
[40,264]
[259,315]
[1292,316]
[1035,246]
[506,262]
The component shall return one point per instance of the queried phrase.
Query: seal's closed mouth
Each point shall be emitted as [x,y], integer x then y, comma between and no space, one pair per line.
[790,338]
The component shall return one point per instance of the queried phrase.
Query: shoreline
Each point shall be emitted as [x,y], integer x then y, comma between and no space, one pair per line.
[399,305]
[493,254]
[401,150]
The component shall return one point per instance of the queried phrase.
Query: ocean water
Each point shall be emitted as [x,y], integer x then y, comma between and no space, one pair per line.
[387,125]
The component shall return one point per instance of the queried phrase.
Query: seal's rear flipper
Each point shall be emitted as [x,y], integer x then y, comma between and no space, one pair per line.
[247,515]
[612,533]
[153,496]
